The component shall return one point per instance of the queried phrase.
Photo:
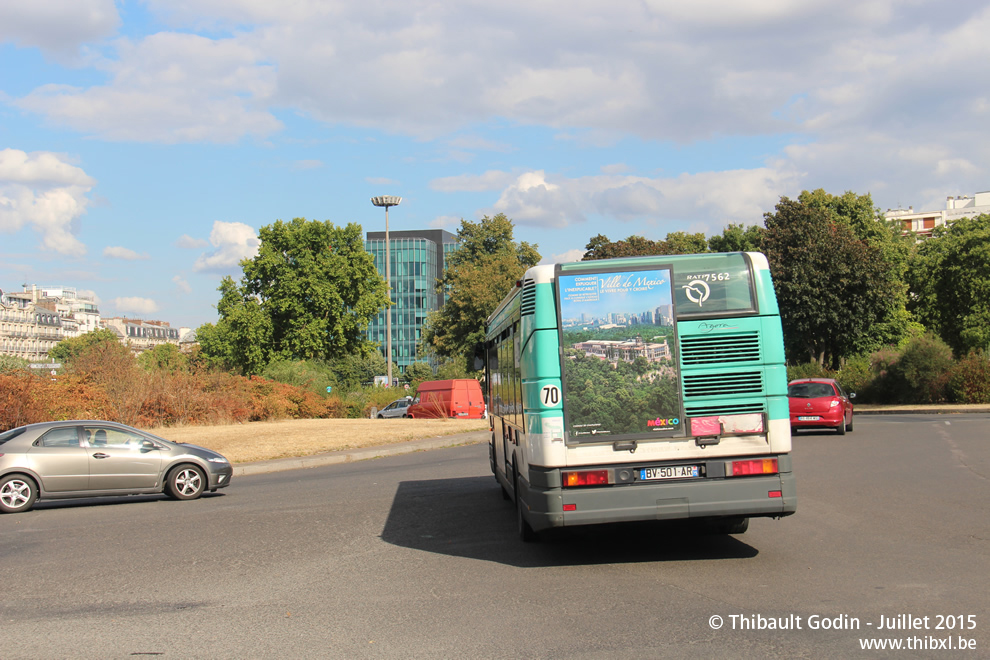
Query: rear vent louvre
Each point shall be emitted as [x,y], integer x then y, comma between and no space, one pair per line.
[527,302]
[741,409]
[721,349]
[748,383]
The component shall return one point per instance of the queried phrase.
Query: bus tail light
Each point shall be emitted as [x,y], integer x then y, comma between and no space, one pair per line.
[756,466]
[586,478]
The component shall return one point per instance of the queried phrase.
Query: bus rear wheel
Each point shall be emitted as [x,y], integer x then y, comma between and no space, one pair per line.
[731,525]
[526,533]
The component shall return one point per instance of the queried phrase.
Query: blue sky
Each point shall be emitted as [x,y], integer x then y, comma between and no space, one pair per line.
[143,143]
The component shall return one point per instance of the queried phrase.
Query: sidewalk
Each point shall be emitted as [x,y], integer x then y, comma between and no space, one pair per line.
[351,455]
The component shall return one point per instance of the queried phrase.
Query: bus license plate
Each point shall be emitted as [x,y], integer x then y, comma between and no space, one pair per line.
[674,472]
[809,418]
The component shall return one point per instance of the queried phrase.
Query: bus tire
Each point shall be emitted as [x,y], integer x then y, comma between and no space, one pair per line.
[526,533]
[734,525]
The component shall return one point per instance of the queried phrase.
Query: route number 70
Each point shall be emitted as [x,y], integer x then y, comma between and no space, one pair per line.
[550,395]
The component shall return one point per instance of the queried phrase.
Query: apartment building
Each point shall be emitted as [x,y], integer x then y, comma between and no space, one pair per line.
[34,320]
[924,223]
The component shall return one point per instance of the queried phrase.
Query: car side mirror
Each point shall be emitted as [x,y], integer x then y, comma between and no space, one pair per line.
[852,395]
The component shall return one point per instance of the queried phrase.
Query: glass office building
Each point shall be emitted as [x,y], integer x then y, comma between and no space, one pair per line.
[417,263]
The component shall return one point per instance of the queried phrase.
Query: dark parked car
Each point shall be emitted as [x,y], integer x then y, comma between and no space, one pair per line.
[820,403]
[54,460]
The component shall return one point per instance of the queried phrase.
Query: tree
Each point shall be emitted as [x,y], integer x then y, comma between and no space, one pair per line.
[67,349]
[310,293]
[479,274]
[737,238]
[242,339]
[99,359]
[869,225]
[949,279]
[678,242]
[352,371]
[832,287]
[417,372]
[166,358]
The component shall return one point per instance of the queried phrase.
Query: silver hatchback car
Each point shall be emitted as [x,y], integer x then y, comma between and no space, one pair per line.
[81,458]
[397,408]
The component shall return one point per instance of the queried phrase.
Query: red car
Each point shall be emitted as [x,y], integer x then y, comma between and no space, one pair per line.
[820,403]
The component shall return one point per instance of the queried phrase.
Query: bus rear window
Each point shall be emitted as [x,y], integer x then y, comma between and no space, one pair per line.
[704,286]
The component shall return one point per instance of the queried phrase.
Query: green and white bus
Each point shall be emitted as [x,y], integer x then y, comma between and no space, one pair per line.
[646,388]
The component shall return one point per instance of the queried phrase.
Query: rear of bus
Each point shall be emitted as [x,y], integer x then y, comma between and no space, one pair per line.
[654,388]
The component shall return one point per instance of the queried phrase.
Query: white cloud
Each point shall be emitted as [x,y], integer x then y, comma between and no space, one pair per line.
[135,305]
[307,164]
[43,191]
[58,26]
[182,284]
[490,180]
[706,198]
[569,255]
[169,88]
[233,241]
[116,252]
[187,242]
[478,143]
[90,294]
[531,199]
[448,222]
[614,168]
[835,78]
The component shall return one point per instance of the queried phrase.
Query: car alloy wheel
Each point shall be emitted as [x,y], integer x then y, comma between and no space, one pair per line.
[186,483]
[17,494]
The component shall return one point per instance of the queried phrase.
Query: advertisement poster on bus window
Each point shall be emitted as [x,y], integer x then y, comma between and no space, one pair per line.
[619,365]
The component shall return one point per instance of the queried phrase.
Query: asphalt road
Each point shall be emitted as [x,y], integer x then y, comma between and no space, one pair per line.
[415,556]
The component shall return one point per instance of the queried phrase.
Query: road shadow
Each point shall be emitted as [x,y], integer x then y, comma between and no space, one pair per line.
[467,517]
[109,500]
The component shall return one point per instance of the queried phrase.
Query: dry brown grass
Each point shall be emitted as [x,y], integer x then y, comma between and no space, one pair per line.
[260,441]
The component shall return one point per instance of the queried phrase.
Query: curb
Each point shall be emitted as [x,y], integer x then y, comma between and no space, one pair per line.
[940,410]
[363,454]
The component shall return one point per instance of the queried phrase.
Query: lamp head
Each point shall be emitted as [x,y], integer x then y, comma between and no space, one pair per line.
[386,200]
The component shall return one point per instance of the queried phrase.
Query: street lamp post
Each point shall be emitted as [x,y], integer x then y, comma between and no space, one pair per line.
[387,201]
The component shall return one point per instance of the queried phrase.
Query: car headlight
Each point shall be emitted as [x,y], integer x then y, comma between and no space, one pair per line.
[217,459]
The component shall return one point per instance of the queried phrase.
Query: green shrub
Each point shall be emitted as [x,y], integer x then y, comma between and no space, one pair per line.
[351,372]
[856,377]
[921,373]
[418,372]
[969,379]
[10,364]
[311,375]
[807,370]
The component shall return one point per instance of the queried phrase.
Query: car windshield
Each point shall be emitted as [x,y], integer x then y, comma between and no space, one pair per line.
[810,390]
